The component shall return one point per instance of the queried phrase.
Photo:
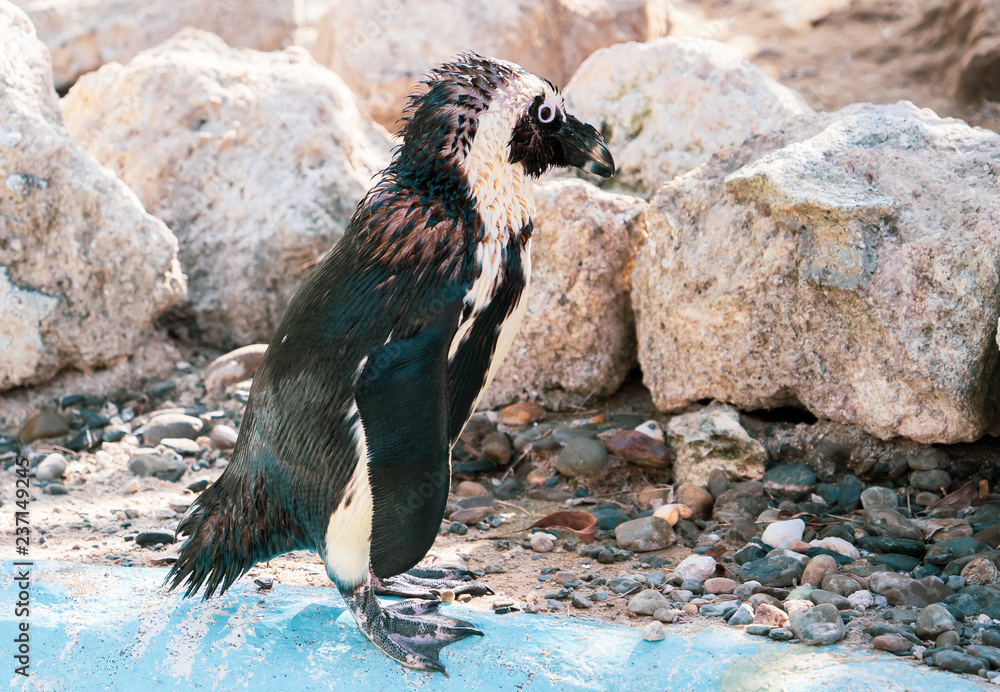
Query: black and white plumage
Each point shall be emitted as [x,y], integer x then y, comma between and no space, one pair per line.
[384,353]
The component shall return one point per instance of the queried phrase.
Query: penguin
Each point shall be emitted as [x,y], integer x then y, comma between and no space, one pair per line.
[384,354]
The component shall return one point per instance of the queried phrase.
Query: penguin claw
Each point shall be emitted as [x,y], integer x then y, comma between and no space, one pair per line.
[412,632]
[414,584]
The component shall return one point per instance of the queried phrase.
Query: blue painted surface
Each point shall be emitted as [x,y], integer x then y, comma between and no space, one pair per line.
[111,628]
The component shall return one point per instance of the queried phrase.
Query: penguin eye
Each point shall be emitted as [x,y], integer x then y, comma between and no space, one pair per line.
[547,113]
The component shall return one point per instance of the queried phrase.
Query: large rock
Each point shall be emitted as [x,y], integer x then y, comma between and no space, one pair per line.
[850,264]
[578,334]
[82,35]
[84,270]
[667,105]
[713,438]
[256,160]
[381,49]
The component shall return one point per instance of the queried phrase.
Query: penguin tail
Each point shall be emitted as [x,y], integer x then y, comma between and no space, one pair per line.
[232,526]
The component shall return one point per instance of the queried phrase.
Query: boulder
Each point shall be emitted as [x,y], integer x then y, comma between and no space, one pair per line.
[848,265]
[578,335]
[84,270]
[713,438]
[382,50]
[666,106]
[82,35]
[256,160]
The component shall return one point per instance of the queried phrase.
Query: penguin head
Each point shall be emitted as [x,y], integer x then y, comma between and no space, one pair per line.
[478,118]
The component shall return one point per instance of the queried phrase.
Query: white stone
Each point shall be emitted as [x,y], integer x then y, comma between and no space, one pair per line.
[51,467]
[654,631]
[542,542]
[256,160]
[666,106]
[698,567]
[713,438]
[577,339]
[82,35]
[382,48]
[651,429]
[84,270]
[811,268]
[781,534]
[837,545]
[861,599]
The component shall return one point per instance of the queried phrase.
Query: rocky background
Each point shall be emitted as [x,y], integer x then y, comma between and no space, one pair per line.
[761,360]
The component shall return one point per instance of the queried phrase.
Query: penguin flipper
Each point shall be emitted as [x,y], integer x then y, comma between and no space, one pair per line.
[402,397]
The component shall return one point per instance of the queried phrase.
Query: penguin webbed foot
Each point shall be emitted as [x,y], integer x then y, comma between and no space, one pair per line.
[428,583]
[411,632]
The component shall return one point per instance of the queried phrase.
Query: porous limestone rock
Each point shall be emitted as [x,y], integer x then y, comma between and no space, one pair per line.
[713,438]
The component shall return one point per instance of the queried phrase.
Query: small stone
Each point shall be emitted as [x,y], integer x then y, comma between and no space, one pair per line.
[697,567]
[964,603]
[582,457]
[990,654]
[770,615]
[773,571]
[235,366]
[877,496]
[647,602]
[888,544]
[733,505]
[223,436]
[496,447]
[781,534]
[719,585]
[897,562]
[147,538]
[790,481]
[928,459]
[716,609]
[926,499]
[637,448]
[181,445]
[697,498]
[850,492]
[818,569]
[672,513]
[665,615]
[718,482]
[820,596]
[566,576]
[51,467]
[524,413]
[840,584]
[458,528]
[554,605]
[759,630]
[935,619]
[542,542]
[56,489]
[781,634]
[654,631]
[579,601]
[979,571]
[474,515]
[838,545]
[608,519]
[893,643]
[817,626]
[645,534]
[43,425]
[114,433]
[167,466]
[957,662]
[166,425]
[949,638]
[991,637]
[471,489]
[744,615]
[930,480]
[887,522]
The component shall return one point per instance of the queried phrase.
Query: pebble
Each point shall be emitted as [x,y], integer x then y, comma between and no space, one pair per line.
[958,662]
[645,535]
[887,522]
[928,459]
[51,467]
[541,542]
[579,601]
[949,638]
[850,492]
[980,571]
[991,637]
[497,448]
[734,505]
[115,432]
[583,457]
[167,466]
[930,480]
[637,448]
[233,367]
[718,482]
[56,489]
[781,534]
[717,609]
[817,626]
[818,569]
[697,498]
[181,445]
[554,605]
[624,584]
[672,513]
[666,615]
[698,567]
[458,528]
[719,585]
[990,654]
[841,584]
[654,631]
[770,615]
[888,544]
[523,413]
[647,602]
[861,600]
[759,630]
[147,538]
[166,425]
[935,619]
[837,545]
[790,481]
[781,634]
[652,429]
[608,519]
[877,496]
[566,576]
[42,425]
[894,643]
[744,615]
[965,603]
[474,515]
[773,571]
[223,436]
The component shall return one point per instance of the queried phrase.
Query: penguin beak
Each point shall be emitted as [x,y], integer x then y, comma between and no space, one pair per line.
[583,147]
